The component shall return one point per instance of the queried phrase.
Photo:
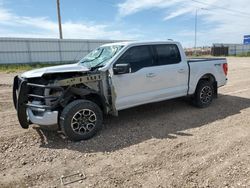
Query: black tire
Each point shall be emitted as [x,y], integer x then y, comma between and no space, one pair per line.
[81,113]
[204,94]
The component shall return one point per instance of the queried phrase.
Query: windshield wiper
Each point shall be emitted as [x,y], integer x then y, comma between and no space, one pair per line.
[99,65]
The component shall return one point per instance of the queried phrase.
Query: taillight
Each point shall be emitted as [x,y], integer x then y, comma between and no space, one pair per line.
[225,68]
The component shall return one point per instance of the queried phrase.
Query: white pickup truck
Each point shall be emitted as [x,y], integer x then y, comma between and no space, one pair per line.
[113,77]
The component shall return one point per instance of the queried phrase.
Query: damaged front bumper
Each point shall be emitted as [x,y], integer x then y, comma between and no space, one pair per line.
[44,118]
[28,112]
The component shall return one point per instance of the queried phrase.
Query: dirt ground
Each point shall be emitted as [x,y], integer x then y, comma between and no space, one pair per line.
[166,144]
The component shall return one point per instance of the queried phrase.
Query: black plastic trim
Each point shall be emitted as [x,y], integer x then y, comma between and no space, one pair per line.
[14,91]
[193,60]
[22,100]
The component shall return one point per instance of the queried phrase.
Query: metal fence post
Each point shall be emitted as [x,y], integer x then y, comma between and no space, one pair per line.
[88,47]
[29,51]
[60,50]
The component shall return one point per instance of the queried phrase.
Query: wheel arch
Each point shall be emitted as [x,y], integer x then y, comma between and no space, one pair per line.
[98,99]
[91,95]
[210,78]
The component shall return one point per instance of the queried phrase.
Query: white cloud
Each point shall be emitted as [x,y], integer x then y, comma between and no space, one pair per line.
[13,25]
[179,12]
[224,25]
[215,24]
[133,6]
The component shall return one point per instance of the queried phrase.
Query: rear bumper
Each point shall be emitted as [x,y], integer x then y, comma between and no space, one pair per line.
[28,112]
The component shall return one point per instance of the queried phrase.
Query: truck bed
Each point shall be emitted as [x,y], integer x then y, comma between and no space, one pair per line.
[201,66]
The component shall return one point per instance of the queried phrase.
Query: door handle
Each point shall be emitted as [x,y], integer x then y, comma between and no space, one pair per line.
[181,70]
[150,75]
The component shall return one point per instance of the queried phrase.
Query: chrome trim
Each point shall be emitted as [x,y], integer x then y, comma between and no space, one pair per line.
[47,117]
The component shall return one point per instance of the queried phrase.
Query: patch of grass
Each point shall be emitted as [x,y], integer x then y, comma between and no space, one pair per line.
[244,55]
[10,68]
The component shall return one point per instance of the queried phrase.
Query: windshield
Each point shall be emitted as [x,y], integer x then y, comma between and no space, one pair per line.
[100,56]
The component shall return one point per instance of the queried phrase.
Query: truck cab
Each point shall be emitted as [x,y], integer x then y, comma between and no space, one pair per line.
[154,71]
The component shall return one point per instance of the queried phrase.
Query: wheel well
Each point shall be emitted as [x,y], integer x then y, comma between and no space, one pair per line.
[210,78]
[88,94]
[96,99]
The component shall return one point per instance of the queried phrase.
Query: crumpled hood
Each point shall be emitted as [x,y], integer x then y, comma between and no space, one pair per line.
[55,69]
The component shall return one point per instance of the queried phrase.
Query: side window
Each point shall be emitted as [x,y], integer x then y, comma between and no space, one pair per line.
[167,54]
[138,57]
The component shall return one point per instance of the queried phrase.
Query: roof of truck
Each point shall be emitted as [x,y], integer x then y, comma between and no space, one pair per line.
[126,43]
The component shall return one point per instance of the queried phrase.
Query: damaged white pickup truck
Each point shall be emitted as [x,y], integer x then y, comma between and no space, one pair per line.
[113,77]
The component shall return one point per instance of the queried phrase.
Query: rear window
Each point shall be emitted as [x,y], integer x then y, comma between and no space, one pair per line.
[167,54]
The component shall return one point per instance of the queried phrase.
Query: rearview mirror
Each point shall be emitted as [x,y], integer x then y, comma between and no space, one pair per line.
[121,68]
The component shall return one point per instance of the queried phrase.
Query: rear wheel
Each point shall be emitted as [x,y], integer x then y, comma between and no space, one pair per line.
[81,120]
[204,94]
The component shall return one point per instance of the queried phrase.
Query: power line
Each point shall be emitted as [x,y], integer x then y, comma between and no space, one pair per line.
[224,8]
[229,13]
[214,11]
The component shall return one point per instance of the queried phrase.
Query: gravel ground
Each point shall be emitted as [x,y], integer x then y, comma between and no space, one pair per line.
[166,144]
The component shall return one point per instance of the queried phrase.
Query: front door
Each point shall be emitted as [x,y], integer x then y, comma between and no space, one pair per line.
[133,88]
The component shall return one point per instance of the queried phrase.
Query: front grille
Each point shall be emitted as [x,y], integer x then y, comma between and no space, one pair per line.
[30,95]
[36,92]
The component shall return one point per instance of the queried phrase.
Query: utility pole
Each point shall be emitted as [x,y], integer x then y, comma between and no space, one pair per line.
[59,19]
[195,32]
[195,29]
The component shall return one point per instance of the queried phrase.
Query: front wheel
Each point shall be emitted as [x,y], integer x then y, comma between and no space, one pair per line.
[81,120]
[204,94]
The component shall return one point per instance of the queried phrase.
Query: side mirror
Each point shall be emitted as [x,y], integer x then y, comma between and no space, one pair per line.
[121,68]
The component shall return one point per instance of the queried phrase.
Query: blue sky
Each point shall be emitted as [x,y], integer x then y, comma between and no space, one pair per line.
[218,20]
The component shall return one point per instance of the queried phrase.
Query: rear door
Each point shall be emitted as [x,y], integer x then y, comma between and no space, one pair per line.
[170,72]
